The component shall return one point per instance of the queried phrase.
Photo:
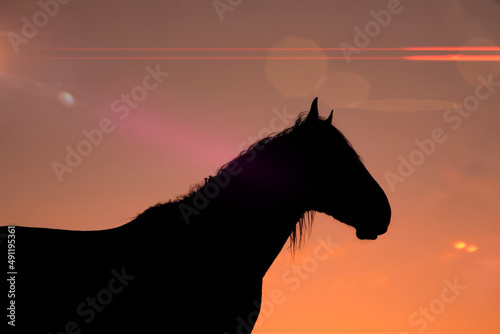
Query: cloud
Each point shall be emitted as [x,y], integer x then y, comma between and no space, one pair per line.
[402,105]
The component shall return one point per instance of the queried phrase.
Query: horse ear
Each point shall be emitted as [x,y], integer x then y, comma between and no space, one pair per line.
[313,113]
[329,119]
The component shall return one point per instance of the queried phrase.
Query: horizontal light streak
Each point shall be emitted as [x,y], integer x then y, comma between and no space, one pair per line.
[483,58]
[419,57]
[214,57]
[417,48]
[455,57]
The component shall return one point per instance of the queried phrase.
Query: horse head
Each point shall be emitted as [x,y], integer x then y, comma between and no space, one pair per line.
[340,185]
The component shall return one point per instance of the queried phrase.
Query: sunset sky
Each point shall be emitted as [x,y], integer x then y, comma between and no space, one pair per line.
[426,122]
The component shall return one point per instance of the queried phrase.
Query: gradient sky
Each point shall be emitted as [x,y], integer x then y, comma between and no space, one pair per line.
[212,108]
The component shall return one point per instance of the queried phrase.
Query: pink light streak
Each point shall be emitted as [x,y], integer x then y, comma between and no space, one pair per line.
[417,48]
[482,58]
[420,57]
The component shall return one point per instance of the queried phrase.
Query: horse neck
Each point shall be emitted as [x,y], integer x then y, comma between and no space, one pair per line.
[252,217]
[252,237]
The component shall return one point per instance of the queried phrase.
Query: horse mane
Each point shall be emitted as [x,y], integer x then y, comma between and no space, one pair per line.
[303,227]
[304,224]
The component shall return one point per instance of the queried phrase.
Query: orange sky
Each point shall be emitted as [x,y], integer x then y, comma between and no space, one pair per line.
[438,165]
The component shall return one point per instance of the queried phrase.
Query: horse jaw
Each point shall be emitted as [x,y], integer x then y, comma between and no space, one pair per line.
[368,226]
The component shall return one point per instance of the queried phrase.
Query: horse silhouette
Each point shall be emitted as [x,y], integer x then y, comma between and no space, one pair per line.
[196,264]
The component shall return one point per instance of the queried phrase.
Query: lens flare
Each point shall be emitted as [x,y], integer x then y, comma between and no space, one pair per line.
[66,99]
[471,249]
[297,77]
[459,244]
